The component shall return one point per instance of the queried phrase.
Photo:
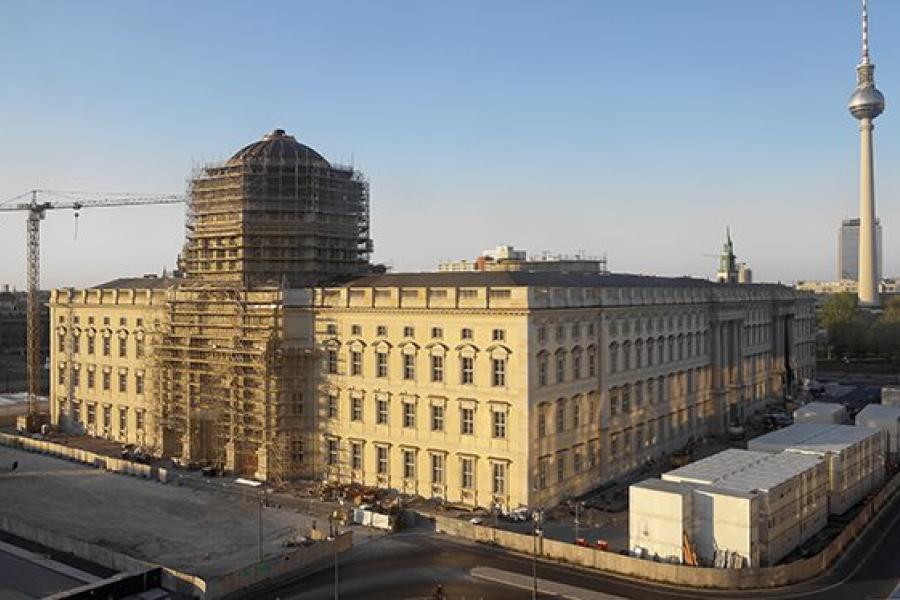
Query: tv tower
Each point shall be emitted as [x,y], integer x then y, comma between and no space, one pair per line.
[865,104]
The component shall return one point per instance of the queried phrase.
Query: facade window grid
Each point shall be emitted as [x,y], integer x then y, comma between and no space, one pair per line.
[467,473]
[467,421]
[498,335]
[499,428]
[409,464]
[381,364]
[437,368]
[467,370]
[356,409]
[355,362]
[437,418]
[498,378]
[409,366]
[381,411]
[498,486]
[409,414]
[437,469]
[381,460]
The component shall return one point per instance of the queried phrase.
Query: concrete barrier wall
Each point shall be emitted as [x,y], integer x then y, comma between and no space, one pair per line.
[100,461]
[755,578]
[172,579]
[299,562]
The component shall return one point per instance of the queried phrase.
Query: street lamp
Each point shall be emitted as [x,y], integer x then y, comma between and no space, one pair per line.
[537,518]
[578,506]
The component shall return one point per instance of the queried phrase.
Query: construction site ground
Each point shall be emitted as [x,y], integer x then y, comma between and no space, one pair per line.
[195,525]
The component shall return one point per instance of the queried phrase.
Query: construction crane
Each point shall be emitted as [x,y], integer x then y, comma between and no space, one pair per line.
[36,212]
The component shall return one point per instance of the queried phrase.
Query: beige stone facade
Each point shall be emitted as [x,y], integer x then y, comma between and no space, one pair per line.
[479,388]
[101,372]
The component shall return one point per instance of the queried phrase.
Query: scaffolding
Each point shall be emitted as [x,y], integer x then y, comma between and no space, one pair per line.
[276,213]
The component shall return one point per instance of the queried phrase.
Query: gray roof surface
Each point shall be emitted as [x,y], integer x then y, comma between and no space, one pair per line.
[139,283]
[529,279]
[713,468]
[811,437]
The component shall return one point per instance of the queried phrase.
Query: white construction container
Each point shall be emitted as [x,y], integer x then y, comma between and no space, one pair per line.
[820,412]
[713,468]
[725,521]
[792,500]
[890,396]
[886,419]
[854,457]
[659,512]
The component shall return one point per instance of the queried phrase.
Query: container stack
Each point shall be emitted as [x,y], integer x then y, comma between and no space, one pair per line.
[821,412]
[885,419]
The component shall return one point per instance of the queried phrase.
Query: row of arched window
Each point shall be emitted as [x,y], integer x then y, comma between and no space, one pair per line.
[656,351]
[579,363]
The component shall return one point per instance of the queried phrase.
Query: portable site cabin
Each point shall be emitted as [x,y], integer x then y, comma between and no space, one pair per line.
[820,412]
[886,419]
[854,457]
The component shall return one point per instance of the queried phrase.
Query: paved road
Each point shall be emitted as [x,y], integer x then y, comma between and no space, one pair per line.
[409,565]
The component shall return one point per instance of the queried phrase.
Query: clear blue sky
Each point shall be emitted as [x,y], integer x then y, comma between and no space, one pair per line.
[636,128]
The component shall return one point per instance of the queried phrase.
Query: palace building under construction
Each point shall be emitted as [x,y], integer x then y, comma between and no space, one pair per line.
[279,351]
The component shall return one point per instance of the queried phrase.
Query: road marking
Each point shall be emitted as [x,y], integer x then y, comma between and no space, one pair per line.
[545,586]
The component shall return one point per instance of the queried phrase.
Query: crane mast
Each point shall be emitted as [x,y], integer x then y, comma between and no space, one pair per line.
[37,211]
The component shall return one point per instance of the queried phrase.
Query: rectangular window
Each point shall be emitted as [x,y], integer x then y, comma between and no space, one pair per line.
[542,423]
[355,362]
[92,414]
[576,460]
[138,383]
[467,374]
[123,419]
[381,364]
[381,453]
[437,469]
[437,332]
[356,456]
[437,368]
[76,377]
[331,329]
[381,331]
[123,347]
[467,421]
[409,464]
[381,411]
[356,329]
[123,382]
[409,414]
[467,473]
[90,345]
[409,331]
[437,418]
[61,342]
[542,370]
[139,347]
[333,452]
[76,411]
[61,375]
[332,358]
[498,378]
[466,334]
[297,450]
[76,344]
[356,409]
[106,381]
[576,415]
[139,420]
[560,466]
[107,417]
[576,365]
[542,334]
[409,366]
[626,399]
[499,420]
[332,407]
[542,473]
[499,478]
[560,417]
[560,367]
[498,335]
[106,346]
[90,379]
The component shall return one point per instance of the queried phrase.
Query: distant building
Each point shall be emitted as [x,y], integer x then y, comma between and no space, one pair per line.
[848,250]
[886,286]
[730,270]
[13,336]
[507,258]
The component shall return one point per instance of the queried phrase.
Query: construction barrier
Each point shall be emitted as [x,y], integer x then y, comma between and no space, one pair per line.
[675,574]
[371,519]
[99,461]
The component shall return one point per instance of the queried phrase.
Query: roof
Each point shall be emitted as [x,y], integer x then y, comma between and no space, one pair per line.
[770,473]
[820,408]
[811,437]
[524,279]
[660,485]
[140,283]
[878,412]
[717,466]
[278,147]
